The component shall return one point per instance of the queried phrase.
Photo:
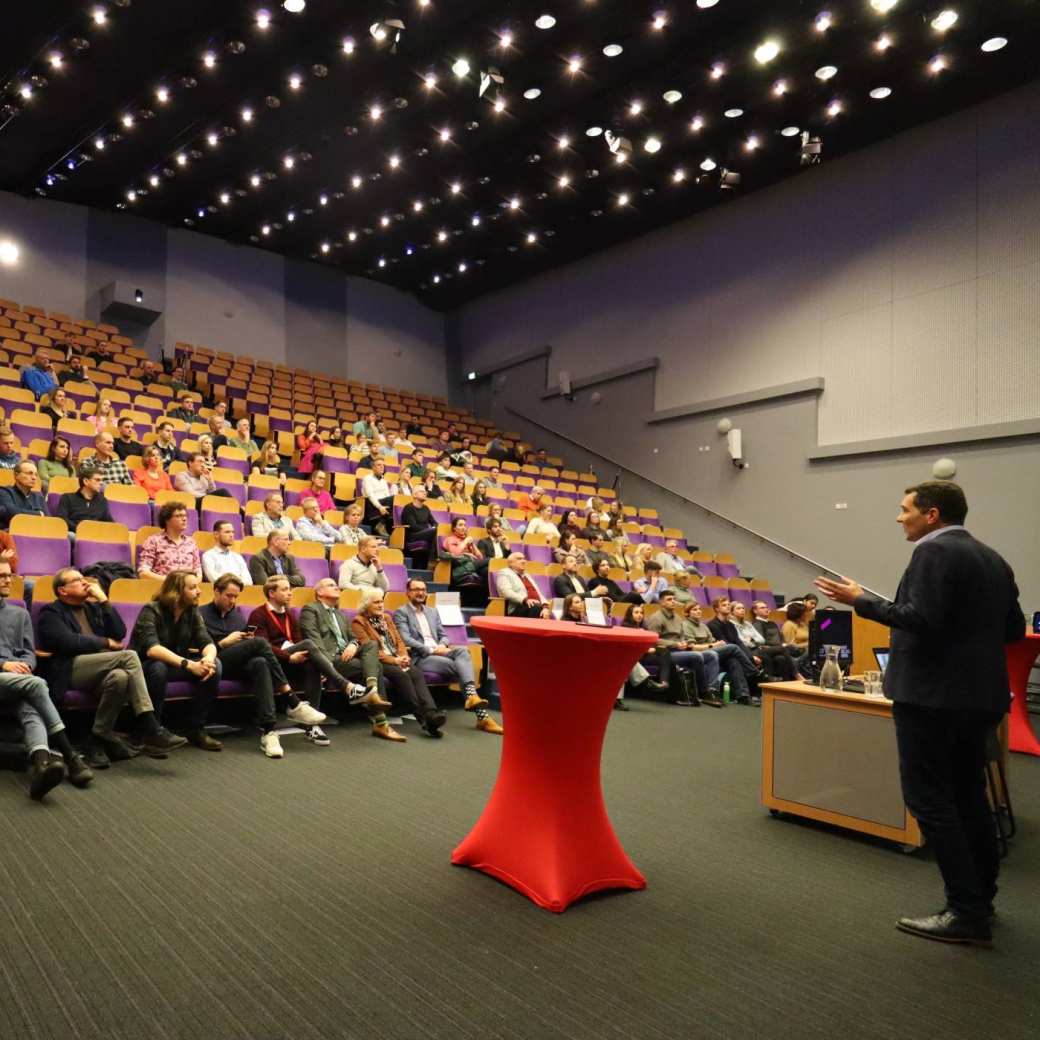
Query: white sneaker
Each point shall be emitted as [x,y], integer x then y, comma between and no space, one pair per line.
[271,745]
[355,691]
[316,735]
[305,715]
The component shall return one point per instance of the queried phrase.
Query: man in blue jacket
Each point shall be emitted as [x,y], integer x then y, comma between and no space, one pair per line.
[22,496]
[39,376]
[84,637]
[423,634]
[955,609]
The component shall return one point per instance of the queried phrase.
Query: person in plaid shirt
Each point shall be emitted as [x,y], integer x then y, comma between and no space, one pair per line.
[173,550]
[113,469]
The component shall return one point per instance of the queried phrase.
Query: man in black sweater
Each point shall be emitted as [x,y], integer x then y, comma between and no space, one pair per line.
[420,527]
[955,609]
[88,503]
[127,444]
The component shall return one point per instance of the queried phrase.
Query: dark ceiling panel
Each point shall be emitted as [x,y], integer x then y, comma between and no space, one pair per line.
[313,175]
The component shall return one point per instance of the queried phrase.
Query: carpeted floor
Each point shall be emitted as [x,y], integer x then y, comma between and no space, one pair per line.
[227,896]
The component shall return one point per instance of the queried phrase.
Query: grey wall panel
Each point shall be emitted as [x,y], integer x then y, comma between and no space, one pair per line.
[51,272]
[224,296]
[315,318]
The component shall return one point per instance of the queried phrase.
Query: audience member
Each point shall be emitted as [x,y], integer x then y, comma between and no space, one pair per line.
[379,500]
[39,376]
[433,488]
[272,518]
[222,559]
[113,468]
[542,523]
[416,469]
[301,660]
[275,562]
[319,488]
[568,548]
[26,696]
[219,431]
[497,512]
[667,622]
[171,549]
[405,680]
[670,561]
[57,406]
[177,380]
[10,456]
[269,463]
[569,582]
[311,447]
[795,630]
[732,657]
[104,417]
[152,476]
[312,527]
[185,410]
[322,623]
[523,597]
[205,449]
[83,637]
[364,570]
[75,372]
[250,659]
[352,532]
[242,439]
[771,634]
[495,545]
[87,503]
[58,462]
[456,498]
[479,497]
[613,592]
[466,559]
[196,481]
[174,645]
[683,592]
[775,660]
[126,442]
[420,627]
[652,586]
[366,426]
[21,498]
[530,502]
[420,527]
[166,442]
[660,656]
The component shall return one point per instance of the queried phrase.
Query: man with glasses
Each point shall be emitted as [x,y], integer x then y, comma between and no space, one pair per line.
[26,694]
[84,637]
[170,550]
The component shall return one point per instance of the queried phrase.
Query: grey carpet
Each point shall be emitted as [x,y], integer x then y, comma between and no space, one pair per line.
[224,895]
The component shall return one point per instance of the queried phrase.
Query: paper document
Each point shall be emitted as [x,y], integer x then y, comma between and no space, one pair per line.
[449,610]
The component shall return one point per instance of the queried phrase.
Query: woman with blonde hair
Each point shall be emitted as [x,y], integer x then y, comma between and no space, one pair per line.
[58,406]
[352,532]
[151,476]
[104,417]
[542,523]
[268,462]
[456,495]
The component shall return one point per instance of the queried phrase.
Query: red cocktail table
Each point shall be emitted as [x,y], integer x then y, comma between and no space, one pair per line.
[545,829]
[1020,658]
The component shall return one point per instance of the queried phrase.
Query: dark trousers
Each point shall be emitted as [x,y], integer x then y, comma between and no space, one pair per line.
[524,609]
[428,537]
[942,758]
[252,662]
[381,525]
[309,674]
[156,676]
[662,657]
[408,690]
[776,661]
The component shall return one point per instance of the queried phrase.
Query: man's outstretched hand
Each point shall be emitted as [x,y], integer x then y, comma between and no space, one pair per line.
[845,590]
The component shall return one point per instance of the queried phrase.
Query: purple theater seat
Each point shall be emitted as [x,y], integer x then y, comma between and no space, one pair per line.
[134,514]
[624,585]
[656,540]
[258,494]
[85,553]
[278,423]
[396,576]
[211,516]
[726,570]
[538,553]
[313,568]
[766,595]
[76,396]
[336,464]
[26,433]
[128,612]
[150,409]
[78,441]
[440,514]
[242,465]
[543,584]
[700,594]
[293,498]
[707,568]
[235,490]
[742,595]
[42,555]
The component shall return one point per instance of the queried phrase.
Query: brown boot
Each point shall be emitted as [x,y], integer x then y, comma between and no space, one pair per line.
[489,725]
[474,701]
[373,700]
[387,732]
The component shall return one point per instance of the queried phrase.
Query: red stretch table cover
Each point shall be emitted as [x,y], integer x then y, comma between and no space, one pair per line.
[1020,658]
[545,830]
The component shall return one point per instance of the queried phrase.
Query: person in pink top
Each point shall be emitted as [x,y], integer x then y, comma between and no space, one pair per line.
[319,490]
[310,446]
[104,418]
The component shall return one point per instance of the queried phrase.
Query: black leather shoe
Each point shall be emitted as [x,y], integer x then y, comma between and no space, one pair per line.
[95,757]
[156,745]
[44,776]
[80,774]
[433,722]
[950,927]
[116,749]
[713,701]
[620,705]
[653,684]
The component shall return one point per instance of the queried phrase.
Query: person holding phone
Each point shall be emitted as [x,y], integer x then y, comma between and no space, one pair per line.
[250,660]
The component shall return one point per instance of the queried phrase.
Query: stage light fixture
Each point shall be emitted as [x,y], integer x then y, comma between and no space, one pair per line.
[812,149]
[294,6]
[945,19]
[490,77]
[391,29]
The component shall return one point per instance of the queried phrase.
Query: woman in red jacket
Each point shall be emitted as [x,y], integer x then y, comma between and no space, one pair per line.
[309,444]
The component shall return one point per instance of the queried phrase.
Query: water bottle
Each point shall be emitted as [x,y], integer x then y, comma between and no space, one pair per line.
[725,691]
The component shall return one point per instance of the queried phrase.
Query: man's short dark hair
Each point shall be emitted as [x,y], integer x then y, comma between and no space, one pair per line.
[168,510]
[413,581]
[596,533]
[164,426]
[795,611]
[944,495]
[651,565]
[668,592]
[86,471]
[195,455]
[225,580]
[220,523]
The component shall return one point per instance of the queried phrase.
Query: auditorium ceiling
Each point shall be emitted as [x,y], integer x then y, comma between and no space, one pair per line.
[453,147]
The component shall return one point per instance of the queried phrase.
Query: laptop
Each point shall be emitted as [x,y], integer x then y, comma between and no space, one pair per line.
[881,654]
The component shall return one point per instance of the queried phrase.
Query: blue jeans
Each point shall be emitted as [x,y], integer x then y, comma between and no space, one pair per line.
[735,662]
[31,701]
[457,665]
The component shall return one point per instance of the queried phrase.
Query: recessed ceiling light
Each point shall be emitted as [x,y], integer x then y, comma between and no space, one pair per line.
[348,45]
[127,120]
[623,199]
[154,180]
[460,68]
[718,70]
[733,113]
[883,42]
[295,81]
[752,143]
[255,180]
[563,181]
[455,187]
[436,279]
[780,88]
[417,206]
[697,124]
[500,104]
[659,21]
[545,21]
[635,108]
[182,159]
[823,21]
[131,196]
[394,161]
[382,261]
[445,135]
[209,59]
[26,91]
[945,19]
[266,229]
[375,113]
[323,200]
[462,267]
[325,247]
[263,19]
[994,43]
[247,115]
[351,236]
[355,181]
[766,52]
[678,175]
[505,40]
[294,6]
[288,162]
[532,237]
[99,15]
[672,96]
[514,203]
[212,140]
[55,59]
[652,145]
[563,142]
[612,50]
[937,64]
[705,4]
[533,93]
[790,131]
[883,6]
[835,108]
[162,95]
[475,220]
[574,64]
[384,221]
[880,93]
[708,165]
[594,131]
[826,72]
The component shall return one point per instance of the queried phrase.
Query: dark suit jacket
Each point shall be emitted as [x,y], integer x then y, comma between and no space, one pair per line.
[770,631]
[59,633]
[955,608]
[316,624]
[487,549]
[261,567]
[563,586]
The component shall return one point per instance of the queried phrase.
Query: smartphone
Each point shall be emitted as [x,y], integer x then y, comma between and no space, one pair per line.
[250,630]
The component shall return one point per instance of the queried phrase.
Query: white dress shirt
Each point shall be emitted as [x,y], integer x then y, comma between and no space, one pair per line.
[217,562]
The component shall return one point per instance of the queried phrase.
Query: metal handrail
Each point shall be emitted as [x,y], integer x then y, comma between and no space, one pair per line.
[765,539]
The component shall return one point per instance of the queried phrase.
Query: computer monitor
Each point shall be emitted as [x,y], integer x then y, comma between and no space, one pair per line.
[831,628]
[881,656]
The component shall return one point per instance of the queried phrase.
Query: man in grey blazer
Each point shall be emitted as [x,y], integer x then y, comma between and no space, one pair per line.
[275,559]
[955,609]
[421,629]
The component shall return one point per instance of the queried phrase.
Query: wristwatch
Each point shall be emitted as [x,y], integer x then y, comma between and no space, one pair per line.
[184,664]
